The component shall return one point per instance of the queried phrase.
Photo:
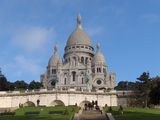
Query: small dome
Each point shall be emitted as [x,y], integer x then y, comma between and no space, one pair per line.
[79,36]
[54,58]
[99,57]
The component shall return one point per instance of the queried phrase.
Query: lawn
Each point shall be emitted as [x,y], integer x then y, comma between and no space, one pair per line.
[136,114]
[44,113]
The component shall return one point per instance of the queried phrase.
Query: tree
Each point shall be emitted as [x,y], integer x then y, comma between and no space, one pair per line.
[3,82]
[122,85]
[10,86]
[35,85]
[145,86]
[20,85]
[125,85]
[155,91]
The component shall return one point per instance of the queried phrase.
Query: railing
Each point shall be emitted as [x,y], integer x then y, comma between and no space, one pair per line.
[54,91]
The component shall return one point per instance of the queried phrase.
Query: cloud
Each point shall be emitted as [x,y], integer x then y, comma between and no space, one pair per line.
[32,38]
[27,65]
[21,66]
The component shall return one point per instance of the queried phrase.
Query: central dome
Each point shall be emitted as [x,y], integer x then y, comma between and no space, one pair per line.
[79,37]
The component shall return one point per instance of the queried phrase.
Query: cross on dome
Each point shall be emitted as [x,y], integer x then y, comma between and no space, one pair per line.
[55,48]
[98,47]
[79,21]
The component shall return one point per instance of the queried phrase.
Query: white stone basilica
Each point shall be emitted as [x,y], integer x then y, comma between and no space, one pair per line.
[81,68]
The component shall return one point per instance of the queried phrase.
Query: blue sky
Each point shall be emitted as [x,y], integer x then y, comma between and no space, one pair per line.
[128,31]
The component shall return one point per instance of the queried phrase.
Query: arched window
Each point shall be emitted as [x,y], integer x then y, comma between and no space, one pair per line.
[53,71]
[82,59]
[73,75]
[65,81]
[82,81]
[97,70]
[74,61]
[86,60]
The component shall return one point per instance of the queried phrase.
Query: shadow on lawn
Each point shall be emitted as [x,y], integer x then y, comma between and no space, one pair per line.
[135,116]
[32,118]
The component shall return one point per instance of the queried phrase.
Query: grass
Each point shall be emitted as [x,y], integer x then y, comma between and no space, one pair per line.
[136,114]
[44,113]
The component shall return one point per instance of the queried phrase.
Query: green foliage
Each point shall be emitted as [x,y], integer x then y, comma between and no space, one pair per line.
[43,113]
[10,86]
[21,85]
[56,112]
[7,113]
[145,86]
[136,114]
[66,112]
[155,91]
[125,85]
[32,113]
[3,82]
[144,77]
[34,85]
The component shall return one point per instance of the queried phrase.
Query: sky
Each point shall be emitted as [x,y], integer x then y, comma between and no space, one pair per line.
[128,31]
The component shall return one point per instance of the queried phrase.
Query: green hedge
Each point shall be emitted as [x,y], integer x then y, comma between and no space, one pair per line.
[32,113]
[56,112]
[7,113]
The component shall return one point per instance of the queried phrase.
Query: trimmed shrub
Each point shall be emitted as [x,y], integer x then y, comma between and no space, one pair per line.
[32,113]
[60,112]
[7,113]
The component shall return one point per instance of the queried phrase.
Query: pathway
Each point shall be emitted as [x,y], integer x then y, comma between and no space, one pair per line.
[90,115]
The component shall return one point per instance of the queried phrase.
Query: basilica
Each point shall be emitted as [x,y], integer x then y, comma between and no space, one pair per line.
[81,68]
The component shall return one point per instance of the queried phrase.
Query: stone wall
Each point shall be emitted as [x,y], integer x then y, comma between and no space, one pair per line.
[50,98]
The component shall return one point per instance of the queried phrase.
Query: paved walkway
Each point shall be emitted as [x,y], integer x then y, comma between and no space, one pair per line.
[90,115]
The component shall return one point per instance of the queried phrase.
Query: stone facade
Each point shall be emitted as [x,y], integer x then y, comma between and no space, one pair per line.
[80,67]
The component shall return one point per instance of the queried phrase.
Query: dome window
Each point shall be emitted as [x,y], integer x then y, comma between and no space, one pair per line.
[82,81]
[99,82]
[86,60]
[65,81]
[73,75]
[82,59]
[53,71]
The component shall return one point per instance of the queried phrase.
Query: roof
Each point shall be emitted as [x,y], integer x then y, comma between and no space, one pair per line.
[99,57]
[79,37]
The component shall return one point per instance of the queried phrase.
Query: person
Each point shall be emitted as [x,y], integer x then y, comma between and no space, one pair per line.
[121,110]
[110,109]
[38,101]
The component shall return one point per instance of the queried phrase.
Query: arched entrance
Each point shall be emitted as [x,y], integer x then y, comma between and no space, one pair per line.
[57,103]
[83,103]
[29,104]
